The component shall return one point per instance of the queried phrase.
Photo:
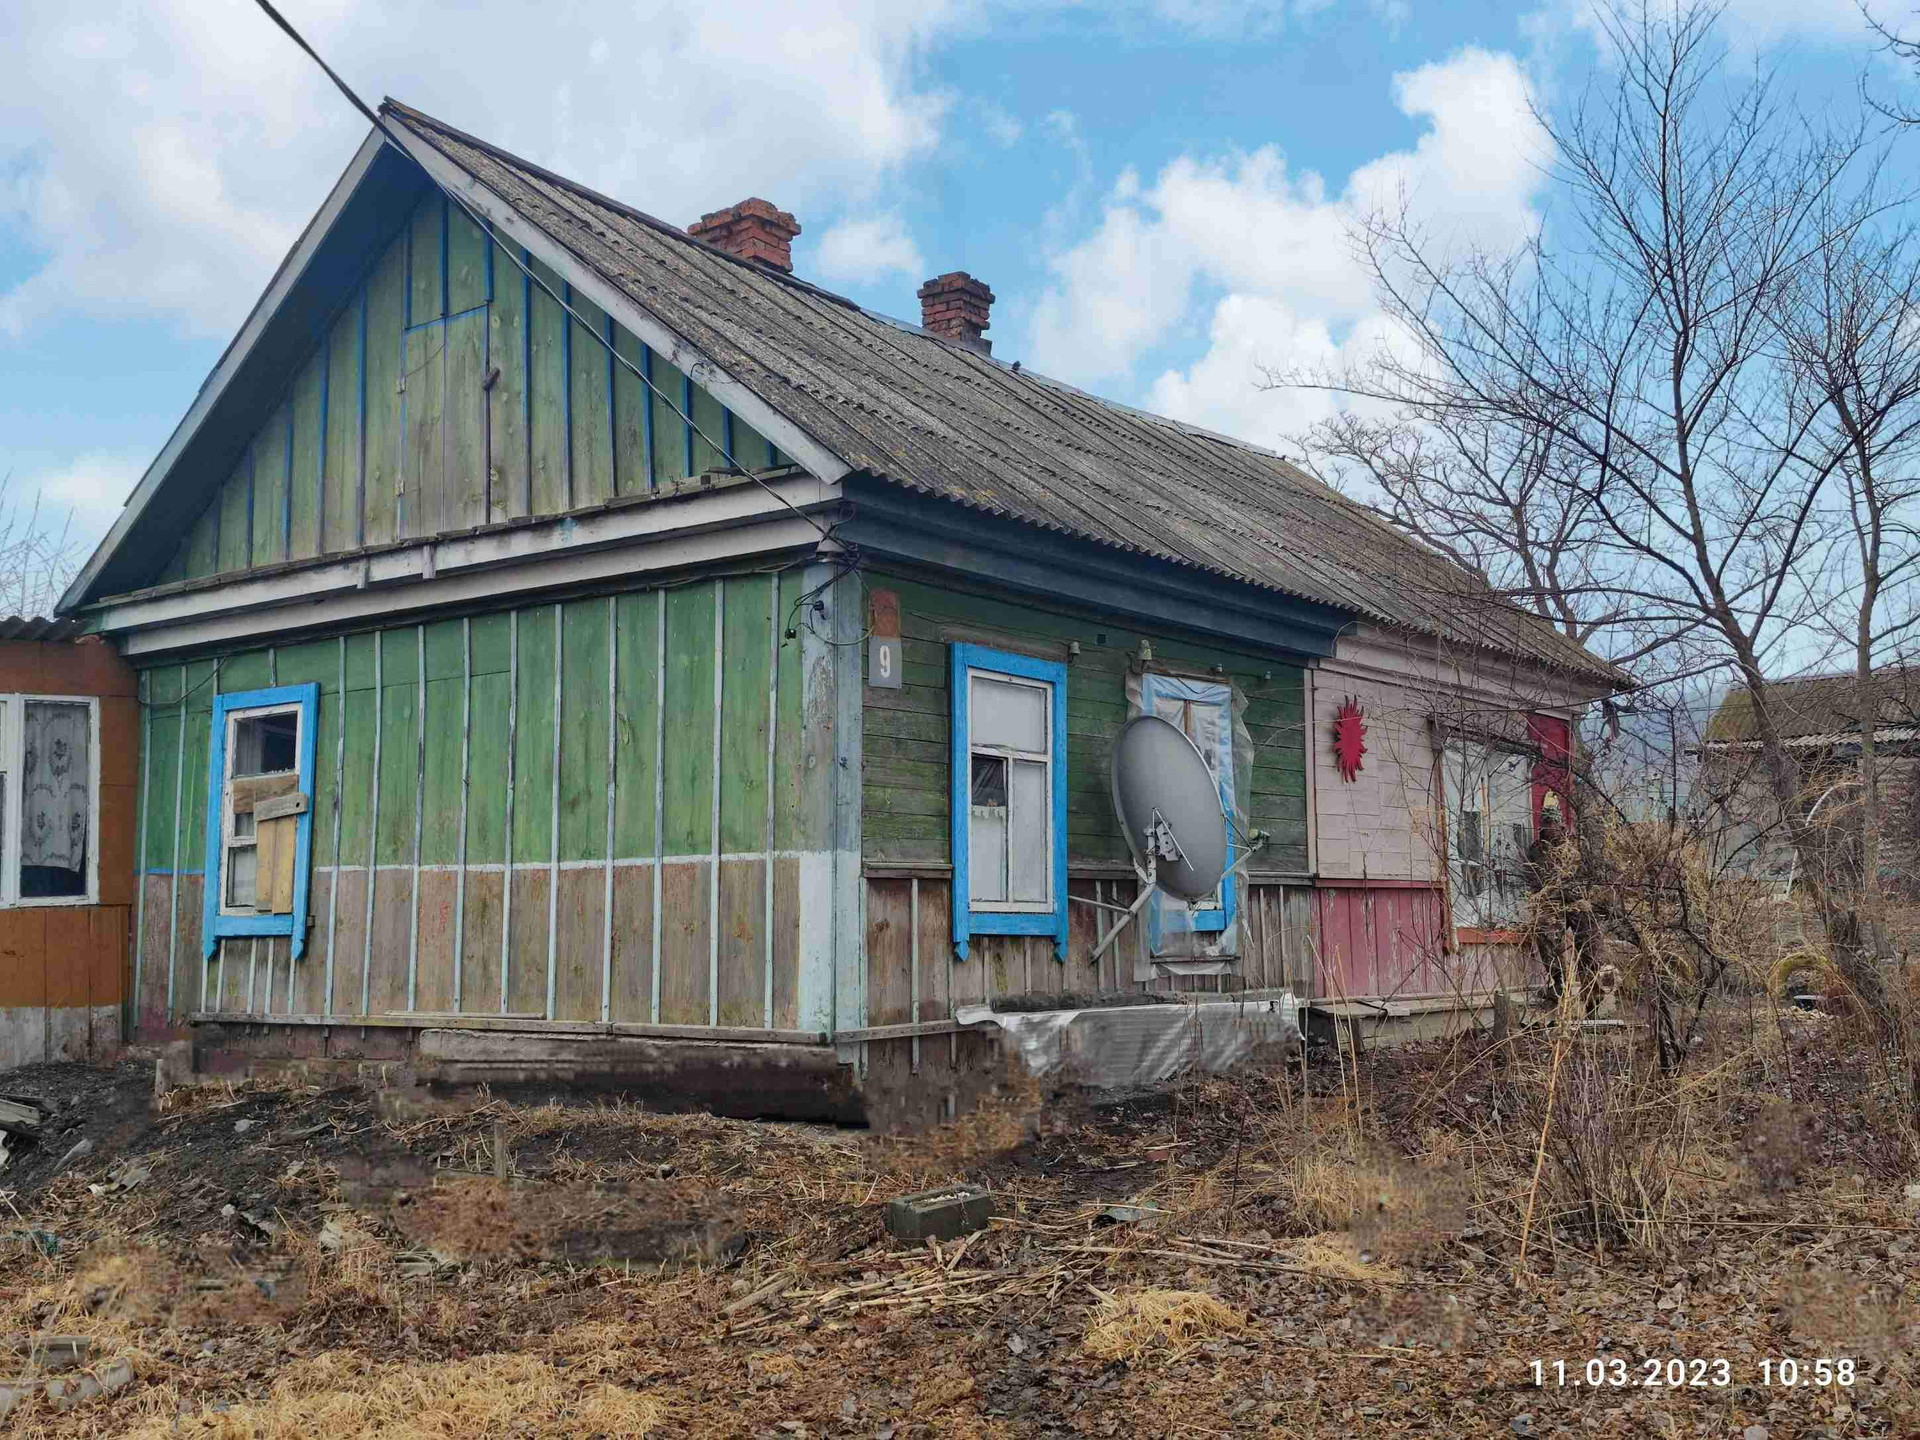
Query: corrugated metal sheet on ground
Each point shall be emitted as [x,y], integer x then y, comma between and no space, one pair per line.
[1141,1044]
[941,418]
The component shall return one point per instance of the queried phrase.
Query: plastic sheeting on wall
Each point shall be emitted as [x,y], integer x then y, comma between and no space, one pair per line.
[1125,1045]
[1200,938]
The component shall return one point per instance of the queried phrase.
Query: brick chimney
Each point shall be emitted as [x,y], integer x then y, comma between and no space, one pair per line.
[955,306]
[752,230]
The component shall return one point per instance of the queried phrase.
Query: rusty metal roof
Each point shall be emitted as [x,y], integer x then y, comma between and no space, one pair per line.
[40,627]
[941,418]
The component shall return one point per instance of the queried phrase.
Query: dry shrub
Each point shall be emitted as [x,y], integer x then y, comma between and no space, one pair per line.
[1340,1255]
[1130,1325]
[492,1396]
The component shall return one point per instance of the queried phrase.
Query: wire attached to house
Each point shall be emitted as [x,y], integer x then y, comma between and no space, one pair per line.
[379,123]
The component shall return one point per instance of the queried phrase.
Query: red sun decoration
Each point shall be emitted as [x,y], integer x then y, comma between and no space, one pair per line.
[1349,738]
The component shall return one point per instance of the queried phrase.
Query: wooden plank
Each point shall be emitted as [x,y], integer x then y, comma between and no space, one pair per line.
[440,798]
[786,942]
[632,466]
[309,996]
[276,843]
[889,948]
[480,959]
[743,730]
[591,412]
[465,481]
[527,975]
[632,994]
[466,262]
[507,400]
[235,525]
[399,758]
[669,430]
[743,955]
[533,747]
[547,397]
[392,922]
[707,419]
[270,489]
[340,484]
[426,294]
[583,732]
[936,951]
[423,404]
[433,964]
[303,503]
[683,949]
[386,318]
[581,920]
[636,657]
[203,543]
[356,784]
[788,772]
[156,933]
[689,739]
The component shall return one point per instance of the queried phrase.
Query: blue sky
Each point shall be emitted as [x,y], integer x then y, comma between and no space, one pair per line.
[1156,191]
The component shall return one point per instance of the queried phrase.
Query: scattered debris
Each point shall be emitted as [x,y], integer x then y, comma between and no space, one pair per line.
[112,1376]
[20,1115]
[944,1214]
[81,1149]
[241,1127]
[1129,1214]
[125,1176]
[53,1353]
[45,1241]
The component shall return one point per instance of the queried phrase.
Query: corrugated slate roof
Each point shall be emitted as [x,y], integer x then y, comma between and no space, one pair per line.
[1816,709]
[40,627]
[941,418]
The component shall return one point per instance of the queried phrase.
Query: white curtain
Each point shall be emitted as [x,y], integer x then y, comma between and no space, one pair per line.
[53,792]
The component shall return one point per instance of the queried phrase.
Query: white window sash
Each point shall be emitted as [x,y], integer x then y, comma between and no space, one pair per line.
[1011,754]
[229,842]
[13,744]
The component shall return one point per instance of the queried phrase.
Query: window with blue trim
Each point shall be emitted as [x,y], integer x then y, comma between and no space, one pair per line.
[1009,798]
[1203,709]
[260,814]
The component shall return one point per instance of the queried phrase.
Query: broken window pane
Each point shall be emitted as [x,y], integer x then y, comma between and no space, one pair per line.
[1009,716]
[989,780]
[56,799]
[265,744]
[1028,861]
[242,867]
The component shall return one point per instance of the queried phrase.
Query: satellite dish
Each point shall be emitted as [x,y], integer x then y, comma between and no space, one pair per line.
[1169,806]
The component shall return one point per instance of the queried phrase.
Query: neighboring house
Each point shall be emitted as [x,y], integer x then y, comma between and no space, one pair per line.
[69,757]
[496,719]
[1822,719]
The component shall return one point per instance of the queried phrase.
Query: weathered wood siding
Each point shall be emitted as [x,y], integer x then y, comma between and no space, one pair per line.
[452,392]
[517,813]
[912,973]
[906,749]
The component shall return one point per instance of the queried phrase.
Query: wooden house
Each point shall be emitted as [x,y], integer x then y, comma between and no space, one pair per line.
[573,645]
[69,753]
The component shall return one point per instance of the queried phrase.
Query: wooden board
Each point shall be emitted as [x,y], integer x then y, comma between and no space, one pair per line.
[583,730]
[277,841]
[480,943]
[270,458]
[433,972]
[423,508]
[632,420]
[636,643]
[889,949]
[547,397]
[688,818]
[304,494]
[340,484]
[669,429]
[386,319]
[747,661]
[590,380]
[633,944]
[533,738]
[743,951]
[683,944]
[464,482]
[527,975]
[392,922]
[507,401]
[234,532]
[581,937]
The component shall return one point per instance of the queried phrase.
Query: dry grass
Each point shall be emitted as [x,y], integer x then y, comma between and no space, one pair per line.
[1133,1324]
[494,1395]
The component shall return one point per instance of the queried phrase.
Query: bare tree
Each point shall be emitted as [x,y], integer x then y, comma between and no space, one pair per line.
[38,554]
[1631,360]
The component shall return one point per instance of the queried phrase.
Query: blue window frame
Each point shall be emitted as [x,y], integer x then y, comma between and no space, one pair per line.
[1009,799]
[1204,711]
[259,751]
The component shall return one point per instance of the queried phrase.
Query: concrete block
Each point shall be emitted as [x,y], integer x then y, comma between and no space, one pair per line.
[112,1376]
[942,1214]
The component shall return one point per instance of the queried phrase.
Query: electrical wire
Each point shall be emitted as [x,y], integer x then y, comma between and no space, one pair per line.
[380,124]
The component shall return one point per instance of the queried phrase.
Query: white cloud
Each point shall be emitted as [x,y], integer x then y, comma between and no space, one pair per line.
[82,498]
[1749,23]
[1267,248]
[869,249]
[163,155]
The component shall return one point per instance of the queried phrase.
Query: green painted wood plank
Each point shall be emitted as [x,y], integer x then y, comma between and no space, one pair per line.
[192,761]
[424,298]
[592,408]
[162,764]
[708,422]
[249,670]
[340,486]
[669,430]
[636,640]
[423,401]
[533,747]
[487,790]
[583,730]
[688,819]
[506,401]
[788,774]
[356,785]
[548,400]
[466,263]
[444,650]
[270,490]
[630,401]
[930,775]
[304,501]
[318,662]
[399,754]
[233,528]
[747,660]
[203,542]
[440,798]
[465,480]
[386,317]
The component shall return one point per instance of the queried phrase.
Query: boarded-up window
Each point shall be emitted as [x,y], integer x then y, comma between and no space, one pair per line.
[262,767]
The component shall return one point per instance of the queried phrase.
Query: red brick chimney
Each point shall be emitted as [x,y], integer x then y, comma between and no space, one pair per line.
[955,306]
[752,230]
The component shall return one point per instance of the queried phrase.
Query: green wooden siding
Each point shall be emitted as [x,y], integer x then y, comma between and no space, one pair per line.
[390,430]
[390,752]
[905,745]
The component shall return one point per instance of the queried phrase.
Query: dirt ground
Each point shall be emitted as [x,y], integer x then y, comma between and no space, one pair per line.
[1331,1249]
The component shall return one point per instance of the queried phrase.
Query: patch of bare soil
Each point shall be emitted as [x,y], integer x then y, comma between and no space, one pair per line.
[1235,1255]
